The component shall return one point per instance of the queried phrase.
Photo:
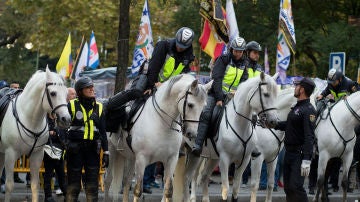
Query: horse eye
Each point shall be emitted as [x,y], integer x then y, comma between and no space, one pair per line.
[190,105]
[53,94]
[266,95]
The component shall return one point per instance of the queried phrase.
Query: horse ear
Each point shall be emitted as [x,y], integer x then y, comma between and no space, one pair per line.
[276,75]
[194,84]
[208,85]
[262,76]
[47,70]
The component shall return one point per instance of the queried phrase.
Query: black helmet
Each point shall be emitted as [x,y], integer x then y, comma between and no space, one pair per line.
[3,84]
[238,43]
[184,37]
[83,82]
[253,45]
[334,75]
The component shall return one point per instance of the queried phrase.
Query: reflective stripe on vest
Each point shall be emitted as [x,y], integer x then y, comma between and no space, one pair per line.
[253,73]
[169,70]
[231,78]
[89,128]
[337,96]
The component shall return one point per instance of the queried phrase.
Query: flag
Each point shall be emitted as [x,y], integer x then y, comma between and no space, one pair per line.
[266,62]
[210,42]
[94,61]
[211,14]
[64,65]
[233,30]
[144,45]
[82,60]
[286,39]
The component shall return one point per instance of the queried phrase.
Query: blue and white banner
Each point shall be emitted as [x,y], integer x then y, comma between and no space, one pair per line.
[144,44]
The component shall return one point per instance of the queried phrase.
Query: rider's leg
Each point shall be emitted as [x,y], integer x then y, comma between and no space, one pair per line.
[123,97]
[205,119]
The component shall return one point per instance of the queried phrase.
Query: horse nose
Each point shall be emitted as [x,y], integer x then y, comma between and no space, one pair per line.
[273,123]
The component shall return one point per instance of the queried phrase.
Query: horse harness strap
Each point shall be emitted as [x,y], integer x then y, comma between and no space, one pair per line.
[279,144]
[337,131]
[36,135]
[49,100]
[244,142]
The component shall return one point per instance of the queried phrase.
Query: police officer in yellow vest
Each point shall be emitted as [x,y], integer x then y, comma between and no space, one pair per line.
[86,137]
[170,58]
[229,71]
[253,50]
[338,85]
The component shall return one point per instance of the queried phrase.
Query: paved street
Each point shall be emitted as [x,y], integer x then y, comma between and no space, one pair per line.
[23,194]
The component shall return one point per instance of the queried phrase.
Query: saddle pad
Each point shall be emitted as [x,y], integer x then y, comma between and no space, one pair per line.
[6,95]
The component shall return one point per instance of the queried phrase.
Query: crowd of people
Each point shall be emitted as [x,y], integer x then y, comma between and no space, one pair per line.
[82,142]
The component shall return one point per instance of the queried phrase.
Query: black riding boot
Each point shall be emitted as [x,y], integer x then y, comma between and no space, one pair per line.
[200,138]
[123,97]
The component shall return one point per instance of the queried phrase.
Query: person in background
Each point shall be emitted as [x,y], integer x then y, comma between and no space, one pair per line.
[15,85]
[86,137]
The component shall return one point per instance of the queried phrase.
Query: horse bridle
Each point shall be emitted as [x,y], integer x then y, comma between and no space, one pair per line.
[182,120]
[53,109]
[36,135]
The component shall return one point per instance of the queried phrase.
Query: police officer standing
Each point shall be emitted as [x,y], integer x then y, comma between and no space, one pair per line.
[86,137]
[299,139]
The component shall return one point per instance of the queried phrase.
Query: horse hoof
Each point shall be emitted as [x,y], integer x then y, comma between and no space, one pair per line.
[234,199]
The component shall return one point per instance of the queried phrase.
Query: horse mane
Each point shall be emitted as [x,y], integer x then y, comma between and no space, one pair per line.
[36,78]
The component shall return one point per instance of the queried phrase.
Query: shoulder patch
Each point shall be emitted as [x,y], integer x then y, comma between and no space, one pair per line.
[312,117]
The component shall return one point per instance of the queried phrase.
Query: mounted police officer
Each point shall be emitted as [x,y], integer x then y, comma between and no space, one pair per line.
[229,71]
[86,137]
[299,140]
[170,58]
[253,50]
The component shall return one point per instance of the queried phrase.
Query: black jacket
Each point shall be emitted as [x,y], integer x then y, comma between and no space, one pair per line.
[58,139]
[218,74]
[299,128]
[158,57]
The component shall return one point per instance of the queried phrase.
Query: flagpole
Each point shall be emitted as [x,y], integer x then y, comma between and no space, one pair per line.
[294,65]
[201,25]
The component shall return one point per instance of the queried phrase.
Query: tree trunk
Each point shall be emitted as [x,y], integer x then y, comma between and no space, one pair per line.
[122,45]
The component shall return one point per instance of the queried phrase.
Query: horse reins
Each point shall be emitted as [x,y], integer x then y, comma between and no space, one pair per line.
[36,135]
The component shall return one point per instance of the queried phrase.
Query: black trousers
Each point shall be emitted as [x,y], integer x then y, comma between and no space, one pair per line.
[82,155]
[293,181]
[51,165]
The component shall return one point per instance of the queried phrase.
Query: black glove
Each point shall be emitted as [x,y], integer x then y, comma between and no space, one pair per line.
[95,118]
[105,161]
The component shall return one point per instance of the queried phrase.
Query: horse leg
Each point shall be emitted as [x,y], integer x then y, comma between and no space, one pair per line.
[255,176]
[10,158]
[35,163]
[347,159]
[128,175]
[209,166]
[140,164]
[179,180]
[224,169]
[194,178]
[169,169]
[191,171]
[237,178]
[323,159]
[270,179]
[117,168]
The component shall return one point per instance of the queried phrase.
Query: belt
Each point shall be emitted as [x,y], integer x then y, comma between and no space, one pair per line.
[293,148]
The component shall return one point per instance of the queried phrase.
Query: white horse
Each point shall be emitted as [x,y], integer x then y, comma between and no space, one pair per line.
[336,138]
[235,140]
[270,143]
[173,110]
[24,128]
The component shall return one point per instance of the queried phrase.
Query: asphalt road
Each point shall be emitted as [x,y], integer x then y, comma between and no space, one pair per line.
[23,194]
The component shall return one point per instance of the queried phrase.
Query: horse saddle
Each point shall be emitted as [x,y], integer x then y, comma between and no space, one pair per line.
[6,95]
[215,120]
[134,108]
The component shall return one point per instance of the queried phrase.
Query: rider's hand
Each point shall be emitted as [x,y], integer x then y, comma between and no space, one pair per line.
[51,132]
[319,97]
[157,84]
[305,168]
[147,92]
[219,103]
[105,160]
